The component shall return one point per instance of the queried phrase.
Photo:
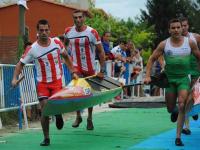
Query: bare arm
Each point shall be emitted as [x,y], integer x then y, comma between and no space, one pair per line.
[197,37]
[161,62]
[194,49]
[18,70]
[156,54]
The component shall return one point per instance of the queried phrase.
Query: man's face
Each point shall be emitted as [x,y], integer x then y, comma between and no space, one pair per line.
[185,27]
[175,29]
[106,37]
[43,32]
[79,19]
[123,46]
[129,45]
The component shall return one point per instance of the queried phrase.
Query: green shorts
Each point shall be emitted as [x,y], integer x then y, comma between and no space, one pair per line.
[178,84]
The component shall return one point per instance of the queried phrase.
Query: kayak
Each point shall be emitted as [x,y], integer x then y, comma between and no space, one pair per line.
[88,92]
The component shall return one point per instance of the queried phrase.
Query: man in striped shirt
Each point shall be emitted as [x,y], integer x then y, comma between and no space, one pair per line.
[84,42]
[45,53]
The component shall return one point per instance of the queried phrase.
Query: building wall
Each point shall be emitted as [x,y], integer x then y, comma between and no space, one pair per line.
[83,4]
[9,21]
[8,49]
[59,18]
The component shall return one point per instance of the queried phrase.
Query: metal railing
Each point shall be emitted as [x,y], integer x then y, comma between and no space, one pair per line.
[25,94]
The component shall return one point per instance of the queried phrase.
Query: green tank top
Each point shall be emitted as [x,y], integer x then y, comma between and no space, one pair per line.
[177,66]
[177,59]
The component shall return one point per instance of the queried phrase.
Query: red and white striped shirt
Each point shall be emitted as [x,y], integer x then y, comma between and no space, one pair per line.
[47,60]
[82,46]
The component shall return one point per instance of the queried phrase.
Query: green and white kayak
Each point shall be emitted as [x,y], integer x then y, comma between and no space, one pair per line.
[101,91]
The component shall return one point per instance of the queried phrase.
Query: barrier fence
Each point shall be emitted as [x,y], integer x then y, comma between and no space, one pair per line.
[25,94]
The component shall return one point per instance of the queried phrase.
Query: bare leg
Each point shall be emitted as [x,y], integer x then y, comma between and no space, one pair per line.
[78,119]
[90,113]
[44,120]
[182,97]
[45,125]
[89,119]
[170,99]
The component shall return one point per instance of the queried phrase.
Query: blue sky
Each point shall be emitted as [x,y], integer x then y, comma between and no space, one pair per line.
[122,8]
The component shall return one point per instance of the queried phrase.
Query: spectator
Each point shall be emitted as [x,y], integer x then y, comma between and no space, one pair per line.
[119,53]
[105,39]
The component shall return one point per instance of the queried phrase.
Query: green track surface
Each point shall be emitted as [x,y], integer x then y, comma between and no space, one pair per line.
[114,130]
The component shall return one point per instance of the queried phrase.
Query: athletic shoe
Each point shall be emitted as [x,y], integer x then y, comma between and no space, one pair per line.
[45,142]
[59,122]
[195,117]
[174,116]
[90,124]
[77,122]
[186,131]
[178,142]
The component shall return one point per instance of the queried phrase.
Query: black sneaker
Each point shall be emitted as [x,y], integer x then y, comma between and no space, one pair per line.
[46,142]
[186,131]
[178,142]
[174,116]
[77,122]
[59,122]
[195,117]
[90,125]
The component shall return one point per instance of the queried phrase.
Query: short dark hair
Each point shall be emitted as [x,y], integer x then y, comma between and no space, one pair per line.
[173,21]
[79,11]
[184,19]
[105,32]
[43,22]
[122,41]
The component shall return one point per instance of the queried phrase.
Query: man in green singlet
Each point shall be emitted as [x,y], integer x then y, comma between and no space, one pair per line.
[176,51]
[195,70]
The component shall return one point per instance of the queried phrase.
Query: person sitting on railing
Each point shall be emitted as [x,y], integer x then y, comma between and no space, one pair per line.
[119,53]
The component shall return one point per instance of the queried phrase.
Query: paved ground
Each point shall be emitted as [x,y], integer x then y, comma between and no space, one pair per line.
[115,129]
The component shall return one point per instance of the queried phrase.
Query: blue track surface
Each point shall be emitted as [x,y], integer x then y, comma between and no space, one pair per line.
[165,141]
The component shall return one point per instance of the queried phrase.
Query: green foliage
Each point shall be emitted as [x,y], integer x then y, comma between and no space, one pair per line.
[139,33]
[159,12]
[20,46]
[146,53]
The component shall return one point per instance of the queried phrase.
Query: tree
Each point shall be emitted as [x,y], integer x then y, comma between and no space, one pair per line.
[159,12]
[139,33]
[194,18]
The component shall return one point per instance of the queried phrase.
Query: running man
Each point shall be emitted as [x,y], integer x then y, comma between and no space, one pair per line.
[176,51]
[45,52]
[84,42]
[195,72]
